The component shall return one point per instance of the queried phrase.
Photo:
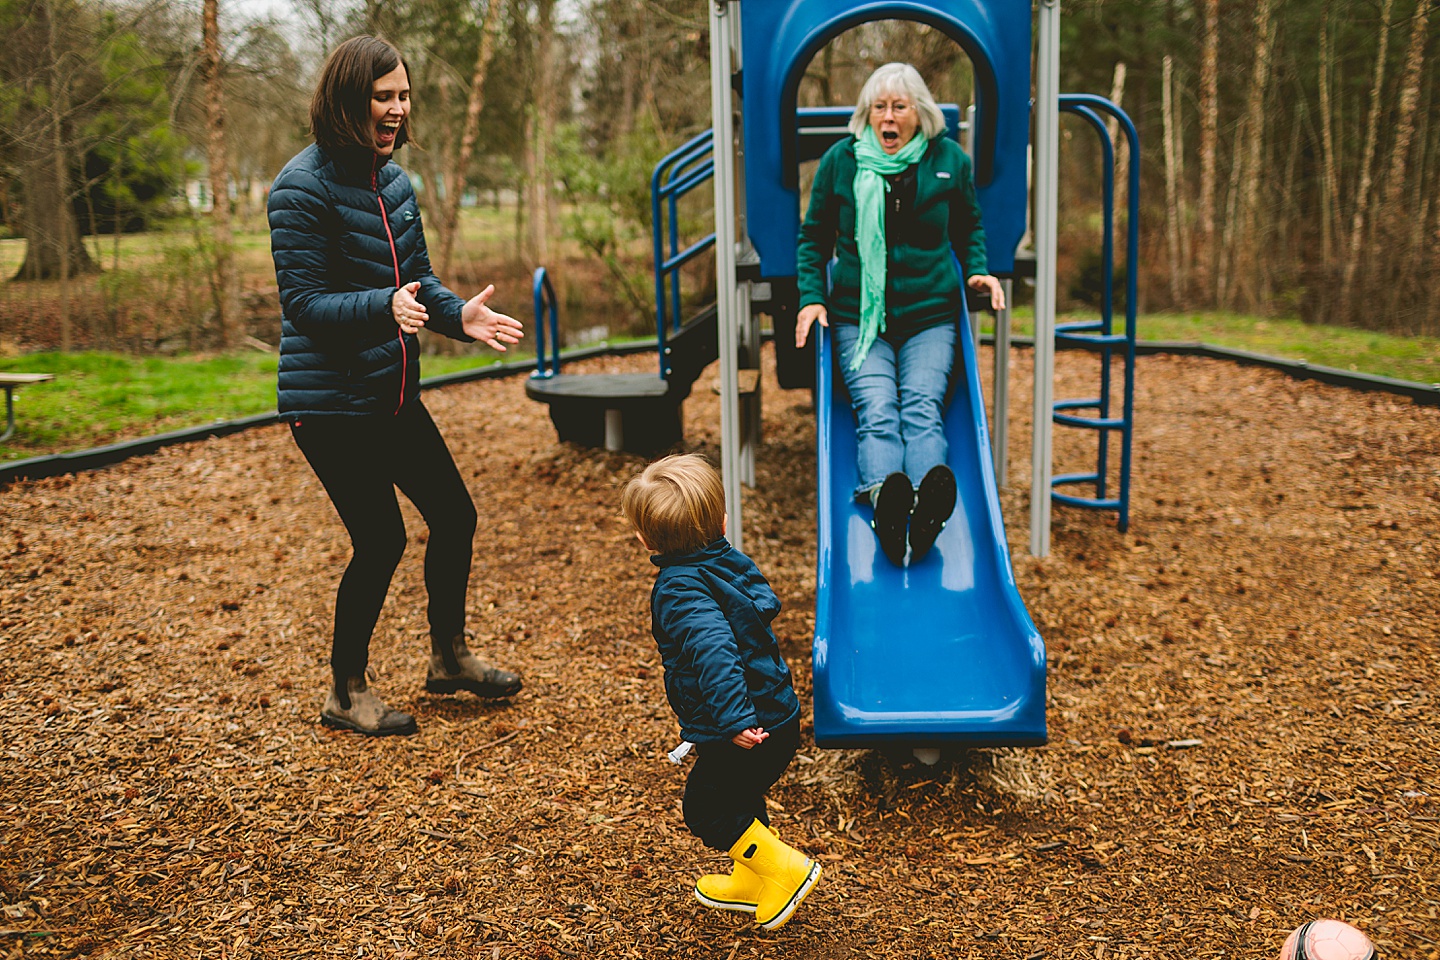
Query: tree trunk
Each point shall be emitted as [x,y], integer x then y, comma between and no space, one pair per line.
[631,28]
[1290,216]
[1329,178]
[1172,203]
[1251,244]
[225,283]
[1226,262]
[1367,160]
[1206,258]
[1122,151]
[455,176]
[53,250]
[1405,123]
[538,173]
[47,220]
[1397,260]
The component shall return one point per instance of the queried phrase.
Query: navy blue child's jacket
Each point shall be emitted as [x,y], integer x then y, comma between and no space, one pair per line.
[710,613]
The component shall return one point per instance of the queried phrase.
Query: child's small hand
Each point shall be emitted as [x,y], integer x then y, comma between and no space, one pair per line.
[749,738]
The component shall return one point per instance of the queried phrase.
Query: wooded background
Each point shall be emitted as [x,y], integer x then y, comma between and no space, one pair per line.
[1287,146]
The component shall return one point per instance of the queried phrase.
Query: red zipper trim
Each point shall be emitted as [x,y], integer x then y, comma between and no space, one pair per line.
[395,259]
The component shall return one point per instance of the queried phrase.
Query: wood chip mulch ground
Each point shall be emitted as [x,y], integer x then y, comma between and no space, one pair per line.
[1242,702]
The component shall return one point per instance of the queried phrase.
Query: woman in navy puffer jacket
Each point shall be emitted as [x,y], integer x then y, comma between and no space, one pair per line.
[355,288]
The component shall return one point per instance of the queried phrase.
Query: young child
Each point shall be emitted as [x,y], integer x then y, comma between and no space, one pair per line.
[710,613]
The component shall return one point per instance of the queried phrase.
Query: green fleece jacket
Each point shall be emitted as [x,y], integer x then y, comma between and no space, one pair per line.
[921,284]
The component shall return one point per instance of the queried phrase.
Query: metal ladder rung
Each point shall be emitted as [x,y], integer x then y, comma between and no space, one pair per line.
[1092,423]
[1077,325]
[1100,339]
[1109,503]
[1076,404]
[1069,478]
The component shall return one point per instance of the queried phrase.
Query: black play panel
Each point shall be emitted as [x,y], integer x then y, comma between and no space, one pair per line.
[648,406]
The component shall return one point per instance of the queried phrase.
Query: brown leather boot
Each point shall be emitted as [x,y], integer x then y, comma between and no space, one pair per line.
[454,668]
[359,710]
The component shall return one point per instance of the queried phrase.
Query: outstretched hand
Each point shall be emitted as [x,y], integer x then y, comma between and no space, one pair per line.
[490,328]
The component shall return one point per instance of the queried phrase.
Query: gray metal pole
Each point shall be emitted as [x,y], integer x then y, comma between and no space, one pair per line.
[722,120]
[1047,167]
[1000,422]
[747,321]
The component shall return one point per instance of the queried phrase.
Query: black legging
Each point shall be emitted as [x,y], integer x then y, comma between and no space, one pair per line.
[361,460]
[725,792]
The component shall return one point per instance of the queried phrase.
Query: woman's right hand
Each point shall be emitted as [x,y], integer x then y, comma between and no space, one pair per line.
[806,318]
[409,313]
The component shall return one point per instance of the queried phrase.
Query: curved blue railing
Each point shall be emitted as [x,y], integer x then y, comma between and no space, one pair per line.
[1100,333]
[678,172]
[543,295]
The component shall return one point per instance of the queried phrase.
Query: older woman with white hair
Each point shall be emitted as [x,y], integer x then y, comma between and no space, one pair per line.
[893,204]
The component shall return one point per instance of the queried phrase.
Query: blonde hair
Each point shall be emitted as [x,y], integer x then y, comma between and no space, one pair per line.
[905,80]
[676,503]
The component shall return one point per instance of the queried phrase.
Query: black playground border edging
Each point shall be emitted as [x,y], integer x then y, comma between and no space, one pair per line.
[38,468]
[1425,394]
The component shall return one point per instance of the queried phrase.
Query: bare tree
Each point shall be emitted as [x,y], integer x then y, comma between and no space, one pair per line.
[542,132]
[1329,178]
[1409,99]
[1122,148]
[42,61]
[1172,187]
[455,175]
[1248,256]
[1367,159]
[1209,139]
[225,282]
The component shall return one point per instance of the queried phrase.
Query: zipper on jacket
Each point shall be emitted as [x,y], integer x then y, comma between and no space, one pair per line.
[395,259]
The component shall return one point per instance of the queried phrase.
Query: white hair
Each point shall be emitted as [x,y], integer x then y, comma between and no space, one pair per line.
[903,80]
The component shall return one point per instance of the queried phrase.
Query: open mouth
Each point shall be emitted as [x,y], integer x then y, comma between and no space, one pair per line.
[890,136]
[385,132]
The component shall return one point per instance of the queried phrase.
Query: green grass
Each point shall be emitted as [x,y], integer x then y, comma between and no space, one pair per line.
[1345,348]
[101,398]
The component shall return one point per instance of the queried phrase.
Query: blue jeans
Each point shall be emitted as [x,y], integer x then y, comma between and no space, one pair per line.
[898,396]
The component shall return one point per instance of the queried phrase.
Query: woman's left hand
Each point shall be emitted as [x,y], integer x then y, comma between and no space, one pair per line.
[490,328]
[983,283]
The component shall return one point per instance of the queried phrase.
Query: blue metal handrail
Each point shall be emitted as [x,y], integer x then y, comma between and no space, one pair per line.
[543,295]
[1090,107]
[680,171]
[1107,298]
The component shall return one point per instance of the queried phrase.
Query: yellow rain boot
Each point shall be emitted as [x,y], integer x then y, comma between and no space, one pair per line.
[738,891]
[786,875]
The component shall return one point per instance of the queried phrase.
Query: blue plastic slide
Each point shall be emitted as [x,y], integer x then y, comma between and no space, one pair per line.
[943,651]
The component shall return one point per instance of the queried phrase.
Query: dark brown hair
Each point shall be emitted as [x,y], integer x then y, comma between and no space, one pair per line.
[340,108]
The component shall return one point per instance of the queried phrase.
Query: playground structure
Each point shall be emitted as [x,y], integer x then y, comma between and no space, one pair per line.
[968,665]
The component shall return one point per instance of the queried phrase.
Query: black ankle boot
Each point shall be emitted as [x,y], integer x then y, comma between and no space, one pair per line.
[933,506]
[892,512]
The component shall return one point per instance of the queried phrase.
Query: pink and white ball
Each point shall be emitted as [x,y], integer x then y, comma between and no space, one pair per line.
[1328,940]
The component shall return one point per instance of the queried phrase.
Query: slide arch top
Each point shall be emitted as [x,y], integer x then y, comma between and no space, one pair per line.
[779,39]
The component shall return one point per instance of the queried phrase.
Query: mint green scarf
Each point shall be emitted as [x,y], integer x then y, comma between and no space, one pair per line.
[872,166]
